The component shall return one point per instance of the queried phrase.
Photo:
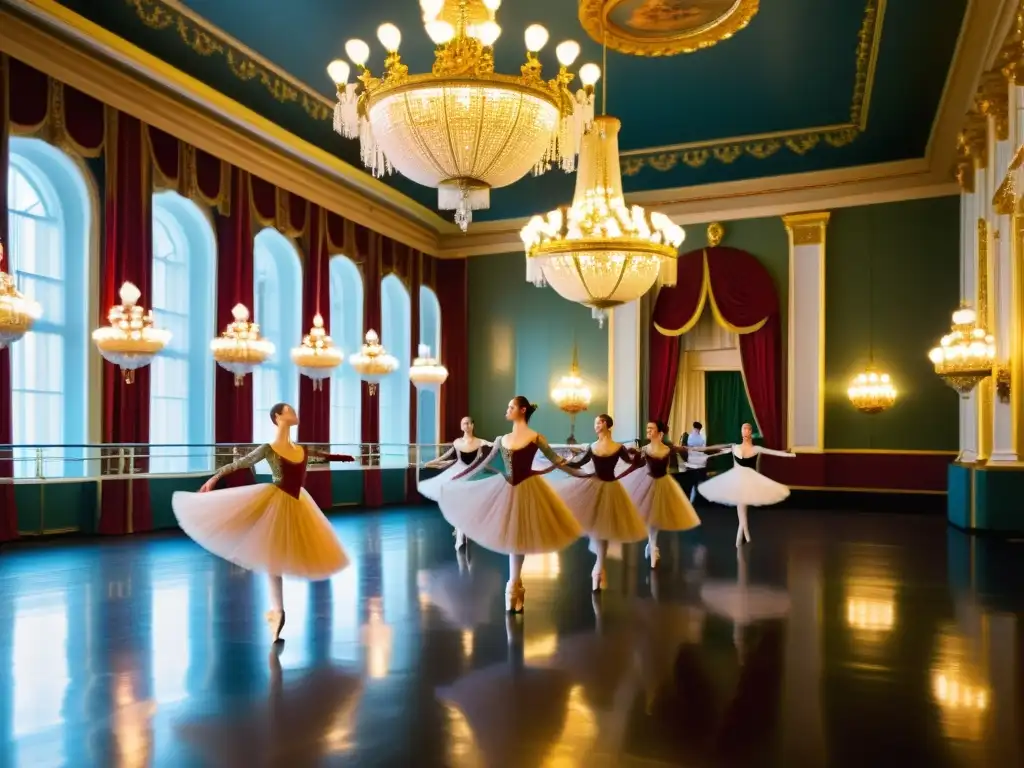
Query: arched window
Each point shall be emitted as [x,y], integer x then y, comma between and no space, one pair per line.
[428,404]
[278,310]
[50,216]
[184,297]
[396,316]
[347,331]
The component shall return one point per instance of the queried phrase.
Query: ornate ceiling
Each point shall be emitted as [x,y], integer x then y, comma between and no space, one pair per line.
[757,89]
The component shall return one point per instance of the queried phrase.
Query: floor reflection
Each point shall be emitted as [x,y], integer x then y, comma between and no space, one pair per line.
[833,640]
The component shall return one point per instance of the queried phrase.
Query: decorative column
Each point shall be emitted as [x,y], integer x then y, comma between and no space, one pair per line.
[624,371]
[805,389]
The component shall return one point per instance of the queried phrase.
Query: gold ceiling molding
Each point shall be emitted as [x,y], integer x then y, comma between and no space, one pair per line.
[764,145]
[664,27]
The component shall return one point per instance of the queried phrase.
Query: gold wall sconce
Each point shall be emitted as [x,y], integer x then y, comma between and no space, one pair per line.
[1001,374]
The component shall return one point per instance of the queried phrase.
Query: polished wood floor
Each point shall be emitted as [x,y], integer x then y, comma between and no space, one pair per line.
[832,640]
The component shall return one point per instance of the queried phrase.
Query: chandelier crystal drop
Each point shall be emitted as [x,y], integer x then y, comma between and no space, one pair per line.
[17,313]
[240,349]
[872,391]
[317,357]
[373,362]
[131,340]
[426,372]
[966,354]
[599,252]
[463,128]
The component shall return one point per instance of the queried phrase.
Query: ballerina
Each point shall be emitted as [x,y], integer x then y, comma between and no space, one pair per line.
[277,527]
[662,504]
[604,509]
[743,486]
[517,515]
[463,452]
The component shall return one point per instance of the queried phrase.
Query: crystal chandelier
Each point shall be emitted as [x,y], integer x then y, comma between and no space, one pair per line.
[571,396]
[373,362]
[17,314]
[426,372]
[872,391]
[317,357]
[463,128]
[130,341]
[599,252]
[966,354]
[240,348]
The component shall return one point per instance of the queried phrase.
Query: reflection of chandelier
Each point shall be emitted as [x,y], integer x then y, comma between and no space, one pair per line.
[372,362]
[317,356]
[463,128]
[599,252]
[17,314]
[130,341]
[240,348]
[571,396]
[966,354]
[871,391]
[426,372]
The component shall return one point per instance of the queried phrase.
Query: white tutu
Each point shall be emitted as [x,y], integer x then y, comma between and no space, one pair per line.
[524,519]
[262,528]
[660,502]
[742,485]
[603,508]
[431,487]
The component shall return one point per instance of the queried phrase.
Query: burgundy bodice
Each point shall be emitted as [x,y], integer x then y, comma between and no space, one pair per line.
[293,475]
[604,466]
[289,476]
[658,466]
[467,457]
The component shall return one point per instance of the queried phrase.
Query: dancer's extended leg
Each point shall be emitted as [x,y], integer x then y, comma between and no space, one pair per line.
[275,616]
[598,578]
[515,593]
[652,552]
[743,529]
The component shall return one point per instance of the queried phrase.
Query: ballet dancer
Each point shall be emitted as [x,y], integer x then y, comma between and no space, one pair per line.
[662,504]
[518,514]
[604,509]
[272,527]
[743,486]
[463,452]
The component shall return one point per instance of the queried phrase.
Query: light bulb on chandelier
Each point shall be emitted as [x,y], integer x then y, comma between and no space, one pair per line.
[372,362]
[966,355]
[426,372]
[871,391]
[317,357]
[131,340]
[240,349]
[17,313]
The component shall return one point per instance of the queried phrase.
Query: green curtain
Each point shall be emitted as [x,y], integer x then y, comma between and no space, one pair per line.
[727,409]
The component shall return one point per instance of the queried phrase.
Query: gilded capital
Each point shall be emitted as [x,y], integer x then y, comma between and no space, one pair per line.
[993,100]
[972,142]
[1011,55]
[807,228]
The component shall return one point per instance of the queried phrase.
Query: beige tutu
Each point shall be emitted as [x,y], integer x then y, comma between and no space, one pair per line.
[603,508]
[431,487]
[660,502]
[262,528]
[743,485]
[524,519]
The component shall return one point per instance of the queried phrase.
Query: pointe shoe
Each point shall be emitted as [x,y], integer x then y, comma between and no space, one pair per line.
[275,619]
[460,540]
[655,556]
[746,535]
[599,581]
[739,538]
[515,597]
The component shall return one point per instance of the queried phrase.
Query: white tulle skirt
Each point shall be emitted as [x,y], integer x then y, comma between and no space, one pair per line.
[431,487]
[660,502]
[603,508]
[743,486]
[524,519]
[262,528]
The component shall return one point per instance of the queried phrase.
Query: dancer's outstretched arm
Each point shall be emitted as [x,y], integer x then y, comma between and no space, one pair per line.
[249,460]
[433,463]
[557,462]
[772,452]
[316,453]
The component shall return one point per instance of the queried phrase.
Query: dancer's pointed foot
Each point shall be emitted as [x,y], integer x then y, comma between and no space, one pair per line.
[654,555]
[460,539]
[275,619]
[599,581]
[515,597]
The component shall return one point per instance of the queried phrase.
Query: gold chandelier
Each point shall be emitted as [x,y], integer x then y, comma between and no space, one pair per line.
[463,128]
[426,372]
[131,340]
[317,357]
[17,313]
[373,362]
[966,354]
[872,391]
[240,348]
[599,252]
[571,395]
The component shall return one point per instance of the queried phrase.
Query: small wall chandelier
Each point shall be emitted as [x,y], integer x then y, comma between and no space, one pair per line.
[17,313]
[317,357]
[571,395]
[373,362]
[966,354]
[241,348]
[462,128]
[871,391]
[426,372]
[131,340]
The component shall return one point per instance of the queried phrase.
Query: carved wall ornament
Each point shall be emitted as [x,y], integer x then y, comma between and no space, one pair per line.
[993,100]
[1002,380]
[807,228]
[715,233]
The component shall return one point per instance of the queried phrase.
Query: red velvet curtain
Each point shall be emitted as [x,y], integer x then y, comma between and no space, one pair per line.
[8,508]
[127,256]
[415,280]
[315,405]
[373,487]
[452,288]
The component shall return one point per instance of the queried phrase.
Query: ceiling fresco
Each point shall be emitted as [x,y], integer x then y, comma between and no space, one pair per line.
[799,85]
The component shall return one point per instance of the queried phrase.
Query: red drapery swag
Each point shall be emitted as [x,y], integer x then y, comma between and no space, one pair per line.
[741,294]
[315,405]
[127,256]
[452,288]
[373,487]
[8,509]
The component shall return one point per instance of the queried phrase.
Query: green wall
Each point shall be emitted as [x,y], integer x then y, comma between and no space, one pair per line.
[895,264]
[520,342]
